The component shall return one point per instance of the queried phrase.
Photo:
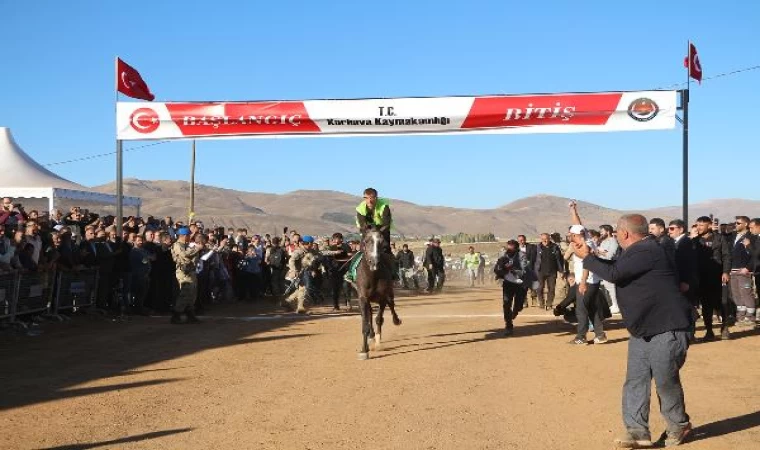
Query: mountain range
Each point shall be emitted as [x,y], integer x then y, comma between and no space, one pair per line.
[323,212]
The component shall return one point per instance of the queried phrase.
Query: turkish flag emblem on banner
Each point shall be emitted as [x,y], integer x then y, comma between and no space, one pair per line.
[691,62]
[130,83]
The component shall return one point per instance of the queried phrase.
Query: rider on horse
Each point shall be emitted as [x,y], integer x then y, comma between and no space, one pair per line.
[372,212]
[375,212]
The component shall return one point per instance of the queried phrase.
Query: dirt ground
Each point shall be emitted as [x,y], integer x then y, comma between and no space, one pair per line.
[250,378]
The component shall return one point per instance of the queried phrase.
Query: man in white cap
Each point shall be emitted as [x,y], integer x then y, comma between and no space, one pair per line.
[587,305]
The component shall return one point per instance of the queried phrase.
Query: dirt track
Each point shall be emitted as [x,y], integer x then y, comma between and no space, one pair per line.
[446,379]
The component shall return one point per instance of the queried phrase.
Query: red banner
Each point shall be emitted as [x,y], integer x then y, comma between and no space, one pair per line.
[549,113]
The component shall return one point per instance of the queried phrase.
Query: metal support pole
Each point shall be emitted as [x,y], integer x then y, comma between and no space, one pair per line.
[685,105]
[191,213]
[119,189]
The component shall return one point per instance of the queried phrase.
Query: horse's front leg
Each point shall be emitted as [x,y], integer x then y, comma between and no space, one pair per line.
[392,306]
[379,321]
[366,311]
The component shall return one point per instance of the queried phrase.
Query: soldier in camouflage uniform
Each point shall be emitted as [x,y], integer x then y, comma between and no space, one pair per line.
[186,259]
[303,262]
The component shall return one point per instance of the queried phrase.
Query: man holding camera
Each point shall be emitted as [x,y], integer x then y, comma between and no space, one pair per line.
[277,260]
[12,215]
[509,269]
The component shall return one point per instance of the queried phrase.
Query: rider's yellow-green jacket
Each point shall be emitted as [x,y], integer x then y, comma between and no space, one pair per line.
[378,218]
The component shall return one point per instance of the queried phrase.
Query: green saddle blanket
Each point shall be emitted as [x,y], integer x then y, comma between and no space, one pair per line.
[352,265]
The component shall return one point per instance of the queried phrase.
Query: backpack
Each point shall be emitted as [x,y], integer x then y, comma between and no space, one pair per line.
[277,258]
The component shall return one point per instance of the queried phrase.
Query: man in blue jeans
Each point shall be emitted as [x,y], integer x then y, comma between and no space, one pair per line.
[659,319]
[588,306]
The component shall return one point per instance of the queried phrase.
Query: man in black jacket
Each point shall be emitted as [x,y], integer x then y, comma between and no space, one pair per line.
[685,257]
[509,269]
[713,267]
[659,319]
[336,258]
[528,253]
[405,259]
[434,263]
[660,233]
[549,263]
[686,264]
[754,228]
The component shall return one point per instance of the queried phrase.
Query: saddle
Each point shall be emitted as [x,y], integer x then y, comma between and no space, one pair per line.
[353,263]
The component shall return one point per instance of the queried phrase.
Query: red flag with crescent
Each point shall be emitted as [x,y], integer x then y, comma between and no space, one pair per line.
[130,83]
[691,62]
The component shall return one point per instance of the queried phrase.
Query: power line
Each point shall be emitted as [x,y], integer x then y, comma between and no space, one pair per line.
[720,75]
[102,155]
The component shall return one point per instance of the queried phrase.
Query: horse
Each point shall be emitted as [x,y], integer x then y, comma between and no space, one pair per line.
[374,283]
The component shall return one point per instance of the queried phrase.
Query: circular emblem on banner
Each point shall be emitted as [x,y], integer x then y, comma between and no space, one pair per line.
[643,109]
[144,120]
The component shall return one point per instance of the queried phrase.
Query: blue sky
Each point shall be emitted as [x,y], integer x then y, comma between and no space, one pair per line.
[57,91]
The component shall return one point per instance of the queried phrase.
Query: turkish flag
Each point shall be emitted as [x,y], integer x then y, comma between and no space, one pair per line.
[691,62]
[130,83]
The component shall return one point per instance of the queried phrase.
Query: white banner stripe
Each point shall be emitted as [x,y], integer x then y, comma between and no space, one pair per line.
[515,114]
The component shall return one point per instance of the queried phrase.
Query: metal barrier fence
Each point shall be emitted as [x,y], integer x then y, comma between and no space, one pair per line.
[24,293]
[76,290]
[34,292]
[8,288]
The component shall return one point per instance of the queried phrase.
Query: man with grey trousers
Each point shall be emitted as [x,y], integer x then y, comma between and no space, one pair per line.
[658,318]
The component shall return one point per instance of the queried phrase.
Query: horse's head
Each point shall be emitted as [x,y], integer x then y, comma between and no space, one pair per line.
[373,243]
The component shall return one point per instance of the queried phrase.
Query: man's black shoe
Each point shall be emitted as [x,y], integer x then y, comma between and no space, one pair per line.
[191,318]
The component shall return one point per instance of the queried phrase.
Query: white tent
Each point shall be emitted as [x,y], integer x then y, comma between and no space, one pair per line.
[23,177]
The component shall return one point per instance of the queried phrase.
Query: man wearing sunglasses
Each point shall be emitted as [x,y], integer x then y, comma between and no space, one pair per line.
[742,245]
[686,264]
[685,257]
[658,230]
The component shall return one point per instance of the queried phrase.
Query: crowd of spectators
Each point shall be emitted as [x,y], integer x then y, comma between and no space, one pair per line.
[136,270]
[718,265]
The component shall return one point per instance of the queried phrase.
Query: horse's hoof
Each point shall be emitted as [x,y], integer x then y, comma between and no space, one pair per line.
[363,356]
[378,342]
[397,321]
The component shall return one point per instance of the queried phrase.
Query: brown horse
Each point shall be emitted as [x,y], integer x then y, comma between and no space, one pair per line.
[374,282]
